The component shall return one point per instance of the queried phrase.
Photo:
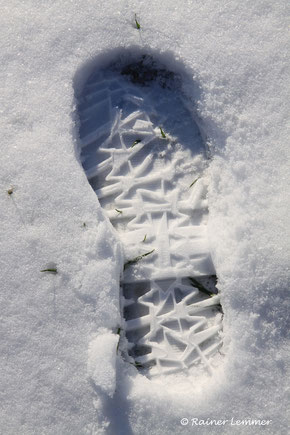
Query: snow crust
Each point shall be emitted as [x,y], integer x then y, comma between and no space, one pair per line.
[236,53]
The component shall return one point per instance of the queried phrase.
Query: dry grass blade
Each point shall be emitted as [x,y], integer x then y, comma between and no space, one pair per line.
[136,259]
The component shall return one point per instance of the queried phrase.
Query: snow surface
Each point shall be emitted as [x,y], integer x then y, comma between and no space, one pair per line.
[237,53]
[102,361]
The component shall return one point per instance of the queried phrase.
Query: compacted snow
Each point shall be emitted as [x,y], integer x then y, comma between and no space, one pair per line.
[60,372]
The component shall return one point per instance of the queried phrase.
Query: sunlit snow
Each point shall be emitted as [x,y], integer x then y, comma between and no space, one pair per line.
[60,373]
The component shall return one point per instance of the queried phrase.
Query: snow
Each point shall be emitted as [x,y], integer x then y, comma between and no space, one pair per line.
[102,361]
[237,52]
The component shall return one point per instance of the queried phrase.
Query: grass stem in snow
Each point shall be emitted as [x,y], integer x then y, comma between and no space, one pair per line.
[136,259]
[162,133]
[138,27]
[193,182]
[135,143]
[50,270]
[200,287]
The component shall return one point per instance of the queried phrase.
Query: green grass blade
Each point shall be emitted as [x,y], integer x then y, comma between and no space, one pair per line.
[51,270]
[162,133]
[137,24]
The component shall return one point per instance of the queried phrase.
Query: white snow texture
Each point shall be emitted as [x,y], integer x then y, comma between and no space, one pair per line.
[60,370]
